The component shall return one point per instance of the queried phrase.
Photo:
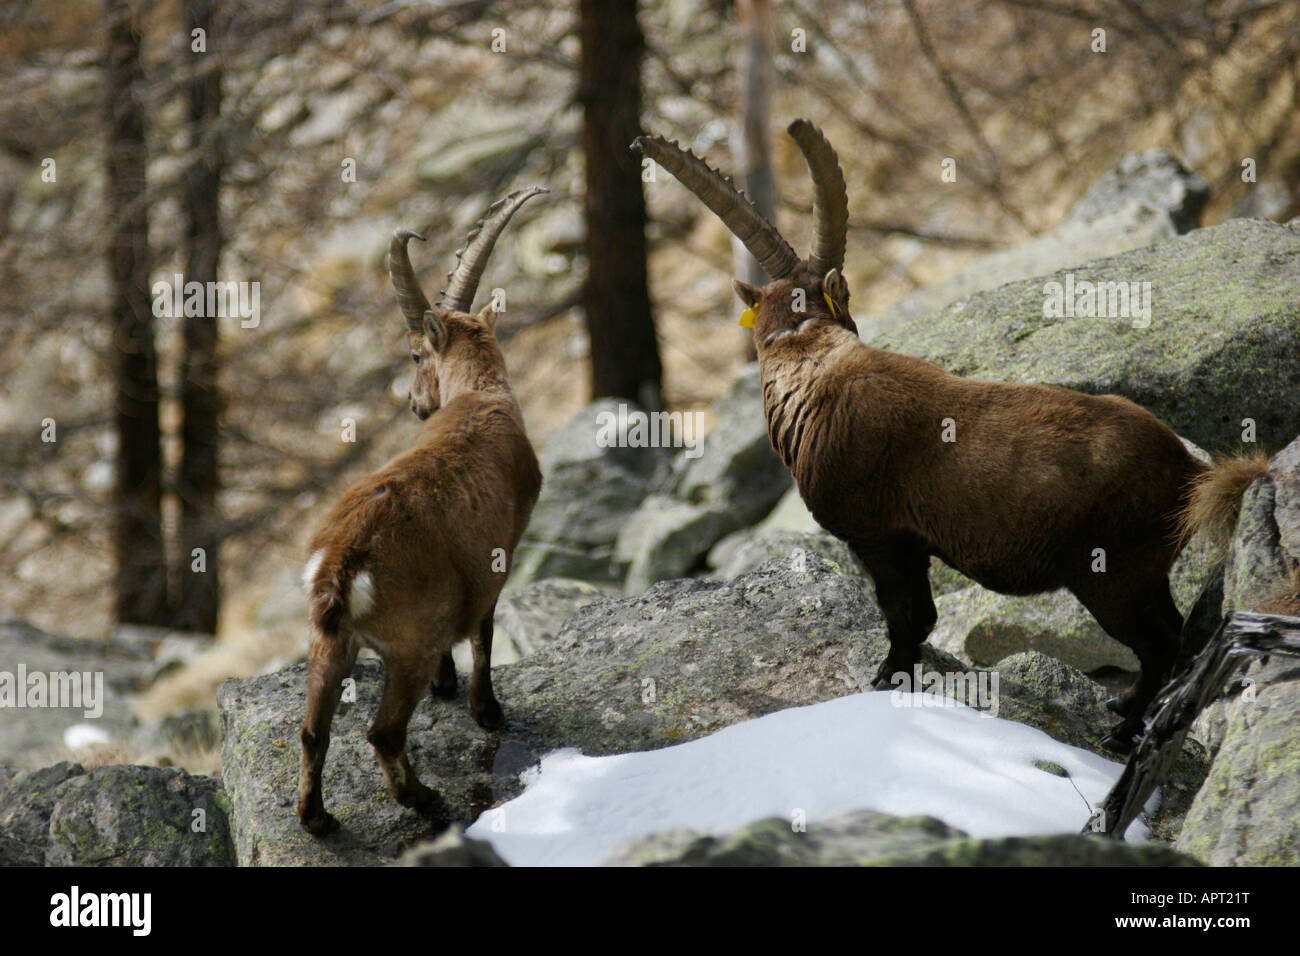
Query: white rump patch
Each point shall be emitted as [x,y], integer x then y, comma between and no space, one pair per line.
[309,572]
[362,600]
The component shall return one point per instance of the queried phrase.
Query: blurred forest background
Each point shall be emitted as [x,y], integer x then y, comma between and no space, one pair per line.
[287,150]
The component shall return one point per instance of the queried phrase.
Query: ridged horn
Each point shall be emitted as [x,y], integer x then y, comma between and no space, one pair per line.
[830,197]
[727,202]
[473,259]
[409,296]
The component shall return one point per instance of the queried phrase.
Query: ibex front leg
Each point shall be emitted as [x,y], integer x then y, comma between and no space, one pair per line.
[483,704]
[329,663]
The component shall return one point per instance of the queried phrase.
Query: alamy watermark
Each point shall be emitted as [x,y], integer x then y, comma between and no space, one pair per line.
[82,690]
[922,688]
[1098,300]
[633,428]
[216,300]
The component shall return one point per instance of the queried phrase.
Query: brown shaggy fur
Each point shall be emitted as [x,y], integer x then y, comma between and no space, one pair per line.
[1037,486]
[1215,499]
[432,532]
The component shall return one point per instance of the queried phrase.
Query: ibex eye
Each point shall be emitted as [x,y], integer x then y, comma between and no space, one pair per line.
[415,357]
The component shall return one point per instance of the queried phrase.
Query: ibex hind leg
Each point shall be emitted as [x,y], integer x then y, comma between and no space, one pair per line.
[329,662]
[1148,622]
[900,571]
[405,681]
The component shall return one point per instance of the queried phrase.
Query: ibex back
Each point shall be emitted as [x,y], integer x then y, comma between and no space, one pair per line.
[1023,488]
[411,560]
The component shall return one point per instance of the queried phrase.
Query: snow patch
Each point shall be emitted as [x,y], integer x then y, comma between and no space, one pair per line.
[974,772]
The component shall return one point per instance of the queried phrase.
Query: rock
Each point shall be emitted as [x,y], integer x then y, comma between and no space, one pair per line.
[982,627]
[868,838]
[735,480]
[139,816]
[588,494]
[26,802]
[790,514]
[113,816]
[528,617]
[1244,815]
[667,538]
[1223,343]
[34,735]
[1266,542]
[684,659]
[737,471]
[452,848]
[1148,197]
[1058,699]
[742,552]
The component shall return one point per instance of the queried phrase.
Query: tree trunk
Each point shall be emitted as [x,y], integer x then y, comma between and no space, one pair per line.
[749,131]
[624,350]
[141,582]
[199,481]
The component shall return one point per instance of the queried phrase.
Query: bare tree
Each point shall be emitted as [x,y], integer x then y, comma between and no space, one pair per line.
[199,480]
[749,130]
[141,586]
[624,351]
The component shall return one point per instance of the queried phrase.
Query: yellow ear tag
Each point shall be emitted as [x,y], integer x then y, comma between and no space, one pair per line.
[830,305]
[748,316]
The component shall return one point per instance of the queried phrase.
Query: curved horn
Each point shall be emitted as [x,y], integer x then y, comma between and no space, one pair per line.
[409,296]
[472,260]
[726,201]
[830,197]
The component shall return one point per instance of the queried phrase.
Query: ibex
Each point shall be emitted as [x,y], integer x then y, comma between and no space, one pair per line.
[1023,488]
[411,560]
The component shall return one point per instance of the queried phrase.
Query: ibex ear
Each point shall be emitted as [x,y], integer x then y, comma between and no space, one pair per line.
[833,285]
[489,315]
[749,294]
[435,330]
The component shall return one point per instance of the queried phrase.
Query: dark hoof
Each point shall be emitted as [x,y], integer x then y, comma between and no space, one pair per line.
[425,801]
[1119,741]
[319,824]
[884,679]
[489,715]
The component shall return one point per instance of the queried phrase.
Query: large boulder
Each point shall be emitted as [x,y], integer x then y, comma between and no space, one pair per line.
[529,616]
[728,482]
[113,816]
[737,471]
[1222,344]
[684,659]
[1146,198]
[590,487]
[868,838]
[1245,814]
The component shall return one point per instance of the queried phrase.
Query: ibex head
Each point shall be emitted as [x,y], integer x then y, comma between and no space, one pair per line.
[801,289]
[453,348]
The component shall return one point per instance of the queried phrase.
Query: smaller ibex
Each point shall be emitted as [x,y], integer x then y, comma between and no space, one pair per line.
[1022,488]
[412,559]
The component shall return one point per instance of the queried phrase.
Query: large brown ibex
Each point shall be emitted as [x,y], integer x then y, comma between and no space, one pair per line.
[411,559]
[1023,488]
